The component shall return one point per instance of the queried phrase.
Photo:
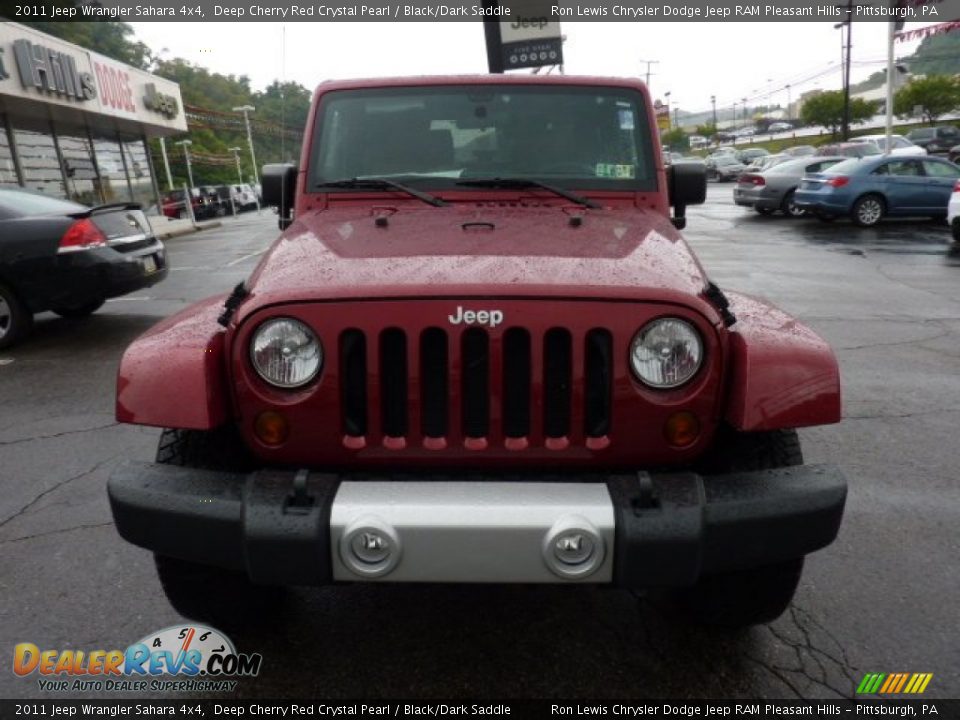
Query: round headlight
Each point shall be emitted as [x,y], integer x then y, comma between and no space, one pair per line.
[286,353]
[666,353]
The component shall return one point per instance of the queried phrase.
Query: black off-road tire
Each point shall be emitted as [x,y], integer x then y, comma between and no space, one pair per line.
[742,598]
[15,319]
[755,595]
[79,311]
[226,598]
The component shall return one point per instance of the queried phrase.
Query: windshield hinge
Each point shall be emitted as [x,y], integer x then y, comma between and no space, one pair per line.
[232,302]
[715,297]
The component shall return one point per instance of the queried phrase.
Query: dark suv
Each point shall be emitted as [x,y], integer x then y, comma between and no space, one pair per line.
[935,139]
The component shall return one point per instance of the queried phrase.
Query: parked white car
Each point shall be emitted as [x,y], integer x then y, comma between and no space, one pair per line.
[953,212]
[901,146]
[243,196]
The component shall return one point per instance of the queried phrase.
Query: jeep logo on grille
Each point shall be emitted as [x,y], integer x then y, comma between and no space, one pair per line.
[476,317]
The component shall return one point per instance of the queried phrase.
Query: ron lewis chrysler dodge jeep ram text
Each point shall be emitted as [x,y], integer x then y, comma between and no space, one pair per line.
[480,351]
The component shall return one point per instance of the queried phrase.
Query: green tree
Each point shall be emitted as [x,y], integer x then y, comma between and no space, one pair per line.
[935,95]
[113,39]
[675,139]
[826,109]
[708,130]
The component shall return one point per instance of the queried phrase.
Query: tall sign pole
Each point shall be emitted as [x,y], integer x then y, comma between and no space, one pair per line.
[491,30]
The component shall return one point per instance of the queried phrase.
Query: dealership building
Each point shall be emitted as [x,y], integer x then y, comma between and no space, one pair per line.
[75,124]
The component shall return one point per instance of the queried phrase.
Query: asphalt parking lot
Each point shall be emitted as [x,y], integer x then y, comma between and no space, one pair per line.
[883,598]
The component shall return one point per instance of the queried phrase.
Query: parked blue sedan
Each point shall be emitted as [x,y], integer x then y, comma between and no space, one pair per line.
[870,188]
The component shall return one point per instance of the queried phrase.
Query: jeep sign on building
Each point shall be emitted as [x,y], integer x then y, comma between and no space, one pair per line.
[74,123]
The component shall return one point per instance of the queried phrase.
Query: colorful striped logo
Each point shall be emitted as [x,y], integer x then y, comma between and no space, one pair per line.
[894,683]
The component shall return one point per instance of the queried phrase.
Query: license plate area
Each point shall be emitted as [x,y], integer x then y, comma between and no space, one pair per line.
[149,264]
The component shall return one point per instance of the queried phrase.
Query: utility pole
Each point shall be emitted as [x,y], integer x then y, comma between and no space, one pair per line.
[676,116]
[713,101]
[789,112]
[848,24]
[744,111]
[667,96]
[649,63]
[245,109]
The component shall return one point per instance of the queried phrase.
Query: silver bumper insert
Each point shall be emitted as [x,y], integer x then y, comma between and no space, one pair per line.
[504,532]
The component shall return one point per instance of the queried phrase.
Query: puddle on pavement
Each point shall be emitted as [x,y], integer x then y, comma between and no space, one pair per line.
[891,237]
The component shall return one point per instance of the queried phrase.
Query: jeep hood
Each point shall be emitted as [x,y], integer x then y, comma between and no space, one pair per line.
[478,250]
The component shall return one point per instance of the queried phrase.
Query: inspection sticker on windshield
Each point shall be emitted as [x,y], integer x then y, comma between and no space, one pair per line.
[617,172]
[626,119]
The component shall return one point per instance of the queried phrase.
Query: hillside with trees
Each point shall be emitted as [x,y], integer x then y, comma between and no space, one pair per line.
[936,55]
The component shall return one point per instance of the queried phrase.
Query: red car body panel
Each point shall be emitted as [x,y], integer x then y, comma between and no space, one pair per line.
[174,374]
[317,434]
[783,374]
[340,253]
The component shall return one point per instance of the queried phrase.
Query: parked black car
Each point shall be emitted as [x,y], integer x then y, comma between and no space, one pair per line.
[935,139]
[69,258]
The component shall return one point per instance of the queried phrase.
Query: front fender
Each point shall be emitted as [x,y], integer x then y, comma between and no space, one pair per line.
[784,375]
[173,375]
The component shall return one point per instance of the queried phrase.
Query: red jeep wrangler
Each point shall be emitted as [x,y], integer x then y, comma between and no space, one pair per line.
[480,352]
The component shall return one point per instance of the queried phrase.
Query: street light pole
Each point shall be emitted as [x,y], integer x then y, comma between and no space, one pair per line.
[236,156]
[245,109]
[744,111]
[667,96]
[166,163]
[789,111]
[186,154]
[713,101]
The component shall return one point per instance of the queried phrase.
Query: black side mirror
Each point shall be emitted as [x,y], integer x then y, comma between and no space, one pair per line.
[686,185]
[279,185]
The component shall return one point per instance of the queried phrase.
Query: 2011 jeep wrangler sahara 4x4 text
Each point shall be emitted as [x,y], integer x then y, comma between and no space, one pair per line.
[480,351]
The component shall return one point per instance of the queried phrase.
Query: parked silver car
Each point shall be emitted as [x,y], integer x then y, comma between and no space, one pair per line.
[772,189]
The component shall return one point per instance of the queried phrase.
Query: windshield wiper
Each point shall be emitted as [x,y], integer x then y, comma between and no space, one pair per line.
[521,183]
[383,184]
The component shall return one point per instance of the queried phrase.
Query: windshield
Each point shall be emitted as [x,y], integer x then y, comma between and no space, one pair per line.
[586,138]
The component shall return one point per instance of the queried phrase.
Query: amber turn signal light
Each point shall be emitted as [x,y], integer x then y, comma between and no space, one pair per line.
[271,428]
[682,429]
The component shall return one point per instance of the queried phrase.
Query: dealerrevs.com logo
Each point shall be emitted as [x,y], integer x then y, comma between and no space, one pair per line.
[180,658]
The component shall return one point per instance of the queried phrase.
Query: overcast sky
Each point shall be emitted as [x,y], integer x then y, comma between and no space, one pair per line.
[695,60]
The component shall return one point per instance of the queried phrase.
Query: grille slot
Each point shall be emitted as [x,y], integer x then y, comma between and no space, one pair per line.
[557,372]
[598,386]
[475,394]
[353,381]
[393,382]
[516,383]
[553,386]
[434,383]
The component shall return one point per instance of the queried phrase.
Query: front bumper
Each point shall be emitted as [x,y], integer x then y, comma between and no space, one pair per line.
[633,530]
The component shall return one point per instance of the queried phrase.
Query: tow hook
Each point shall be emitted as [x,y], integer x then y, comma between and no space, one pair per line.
[300,501]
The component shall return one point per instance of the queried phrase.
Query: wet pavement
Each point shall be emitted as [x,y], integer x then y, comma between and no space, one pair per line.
[883,598]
